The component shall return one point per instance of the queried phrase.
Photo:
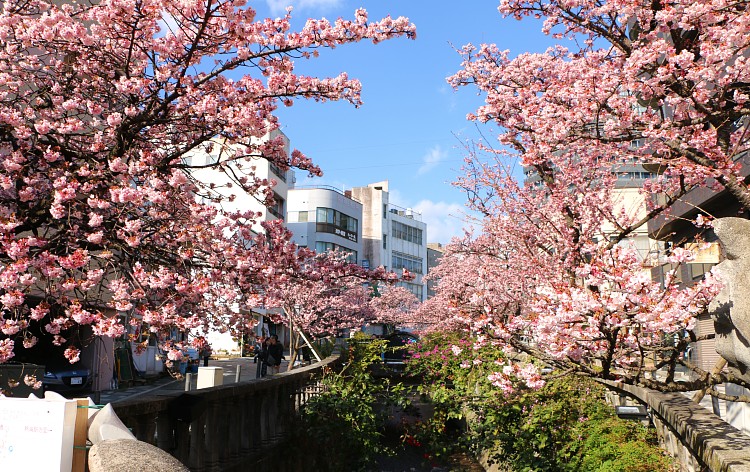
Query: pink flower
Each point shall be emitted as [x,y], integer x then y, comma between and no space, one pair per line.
[72,354]
[6,350]
[31,381]
[174,355]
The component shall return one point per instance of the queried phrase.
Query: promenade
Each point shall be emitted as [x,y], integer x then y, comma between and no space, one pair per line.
[167,385]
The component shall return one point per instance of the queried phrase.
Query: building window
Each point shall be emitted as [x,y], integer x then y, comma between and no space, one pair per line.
[634,175]
[323,246]
[665,269]
[302,217]
[406,232]
[385,241]
[277,171]
[698,271]
[416,289]
[277,208]
[385,210]
[333,221]
[404,261]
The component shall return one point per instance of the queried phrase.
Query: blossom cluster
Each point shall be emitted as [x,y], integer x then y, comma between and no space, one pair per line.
[101,107]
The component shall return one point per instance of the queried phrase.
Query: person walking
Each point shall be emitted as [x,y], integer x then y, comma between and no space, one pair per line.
[206,354]
[275,354]
[257,347]
[262,368]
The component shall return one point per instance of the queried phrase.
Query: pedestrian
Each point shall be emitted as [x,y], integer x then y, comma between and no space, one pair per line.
[262,368]
[206,353]
[275,354]
[257,347]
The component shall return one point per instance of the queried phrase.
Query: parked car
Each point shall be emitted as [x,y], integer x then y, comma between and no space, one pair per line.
[397,350]
[65,377]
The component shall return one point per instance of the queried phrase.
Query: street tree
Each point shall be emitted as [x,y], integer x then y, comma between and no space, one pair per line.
[395,305]
[101,105]
[323,294]
[553,274]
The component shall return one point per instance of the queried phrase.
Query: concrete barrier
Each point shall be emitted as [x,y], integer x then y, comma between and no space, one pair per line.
[696,437]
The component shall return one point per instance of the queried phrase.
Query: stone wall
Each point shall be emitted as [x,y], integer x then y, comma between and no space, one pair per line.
[698,439]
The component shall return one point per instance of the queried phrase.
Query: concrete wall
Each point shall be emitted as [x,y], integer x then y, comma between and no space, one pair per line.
[698,439]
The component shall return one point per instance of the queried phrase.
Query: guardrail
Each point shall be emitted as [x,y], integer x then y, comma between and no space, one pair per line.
[227,427]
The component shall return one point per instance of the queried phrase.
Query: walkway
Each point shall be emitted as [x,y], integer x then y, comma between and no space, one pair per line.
[167,384]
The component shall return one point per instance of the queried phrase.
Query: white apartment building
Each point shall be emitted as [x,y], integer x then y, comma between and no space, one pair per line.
[263,169]
[324,219]
[393,237]
[626,198]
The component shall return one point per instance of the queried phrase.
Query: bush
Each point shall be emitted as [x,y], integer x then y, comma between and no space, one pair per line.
[565,426]
[341,428]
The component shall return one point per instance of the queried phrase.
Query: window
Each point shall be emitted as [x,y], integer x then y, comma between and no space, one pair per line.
[277,208]
[698,271]
[406,232]
[404,261]
[667,268]
[323,246]
[385,210]
[413,288]
[277,171]
[385,241]
[333,221]
[302,217]
[634,175]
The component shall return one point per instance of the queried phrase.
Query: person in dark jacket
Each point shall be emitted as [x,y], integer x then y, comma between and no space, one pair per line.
[262,369]
[275,354]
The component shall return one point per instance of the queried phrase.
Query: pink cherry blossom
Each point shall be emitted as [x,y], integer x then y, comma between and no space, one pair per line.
[552,270]
[100,211]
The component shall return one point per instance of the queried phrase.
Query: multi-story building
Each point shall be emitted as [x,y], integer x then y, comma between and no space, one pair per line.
[242,201]
[323,218]
[434,253]
[677,229]
[393,237]
[262,169]
[626,198]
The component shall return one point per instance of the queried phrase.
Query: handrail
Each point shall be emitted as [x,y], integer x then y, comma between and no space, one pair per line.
[220,428]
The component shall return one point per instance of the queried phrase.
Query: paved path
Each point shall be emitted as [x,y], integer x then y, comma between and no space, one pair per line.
[167,384]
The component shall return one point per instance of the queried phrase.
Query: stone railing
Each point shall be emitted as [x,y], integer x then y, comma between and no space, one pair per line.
[698,439]
[228,427]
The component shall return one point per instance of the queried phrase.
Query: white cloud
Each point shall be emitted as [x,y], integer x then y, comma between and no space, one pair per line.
[278,7]
[444,220]
[433,157]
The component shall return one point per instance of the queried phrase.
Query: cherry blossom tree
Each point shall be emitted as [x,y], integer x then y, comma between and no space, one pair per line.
[670,77]
[553,274]
[555,285]
[101,104]
[322,294]
[396,306]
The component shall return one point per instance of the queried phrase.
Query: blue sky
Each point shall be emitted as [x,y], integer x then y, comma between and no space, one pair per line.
[411,125]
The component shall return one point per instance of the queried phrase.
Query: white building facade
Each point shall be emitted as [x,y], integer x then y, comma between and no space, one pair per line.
[241,201]
[260,168]
[393,237]
[324,219]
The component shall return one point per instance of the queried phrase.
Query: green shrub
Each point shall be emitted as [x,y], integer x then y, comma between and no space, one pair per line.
[565,426]
[341,428]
